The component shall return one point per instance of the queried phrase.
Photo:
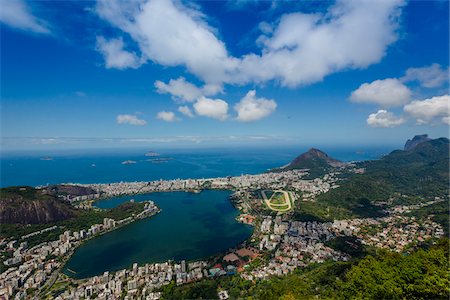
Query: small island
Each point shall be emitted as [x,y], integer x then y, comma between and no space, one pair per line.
[46,158]
[152,154]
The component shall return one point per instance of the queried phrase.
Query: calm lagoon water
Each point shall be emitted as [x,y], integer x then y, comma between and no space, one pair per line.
[190,226]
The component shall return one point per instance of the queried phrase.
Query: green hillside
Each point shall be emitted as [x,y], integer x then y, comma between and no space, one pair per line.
[420,174]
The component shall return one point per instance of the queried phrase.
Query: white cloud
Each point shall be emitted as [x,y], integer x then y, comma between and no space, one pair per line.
[170,34]
[384,119]
[167,116]
[385,93]
[185,110]
[213,108]
[265,27]
[430,110]
[446,120]
[115,56]
[130,119]
[16,13]
[179,88]
[303,48]
[430,77]
[251,108]
[182,90]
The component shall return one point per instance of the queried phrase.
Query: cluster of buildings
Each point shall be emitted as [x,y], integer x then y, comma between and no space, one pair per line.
[394,233]
[291,179]
[137,282]
[292,244]
[39,232]
[31,268]
[34,266]
[69,192]
[400,209]
[235,261]
[142,282]
[246,219]
[73,199]
[312,188]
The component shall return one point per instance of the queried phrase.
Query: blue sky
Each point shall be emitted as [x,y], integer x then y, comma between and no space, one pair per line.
[154,72]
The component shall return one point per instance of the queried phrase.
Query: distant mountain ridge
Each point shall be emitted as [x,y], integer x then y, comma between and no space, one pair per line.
[422,171]
[418,139]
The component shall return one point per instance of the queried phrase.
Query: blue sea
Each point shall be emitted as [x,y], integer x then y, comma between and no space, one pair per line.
[105,165]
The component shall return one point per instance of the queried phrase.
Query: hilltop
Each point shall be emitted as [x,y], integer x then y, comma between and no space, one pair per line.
[316,161]
[420,170]
[418,139]
[27,205]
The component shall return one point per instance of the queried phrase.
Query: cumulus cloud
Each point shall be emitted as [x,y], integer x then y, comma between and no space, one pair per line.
[170,34]
[185,110]
[302,49]
[384,119]
[179,88]
[167,116]
[385,93]
[130,119]
[432,110]
[182,90]
[212,108]
[114,54]
[429,77]
[251,108]
[16,13]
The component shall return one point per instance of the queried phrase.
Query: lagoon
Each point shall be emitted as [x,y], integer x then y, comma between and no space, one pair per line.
[190,226]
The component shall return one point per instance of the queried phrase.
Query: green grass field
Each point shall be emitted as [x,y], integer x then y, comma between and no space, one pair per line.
[278,198]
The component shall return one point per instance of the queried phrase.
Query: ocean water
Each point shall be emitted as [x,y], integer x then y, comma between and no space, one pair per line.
[190,226]
[103,166]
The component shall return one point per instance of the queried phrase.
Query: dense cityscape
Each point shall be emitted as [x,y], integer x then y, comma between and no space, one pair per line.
[284,244]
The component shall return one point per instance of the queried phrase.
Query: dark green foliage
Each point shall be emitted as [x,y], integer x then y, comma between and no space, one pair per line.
[205,289]
[421,172]
[350,245]
[25,192]
[424,274]
[421,275]
[88,218]
[83,220]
